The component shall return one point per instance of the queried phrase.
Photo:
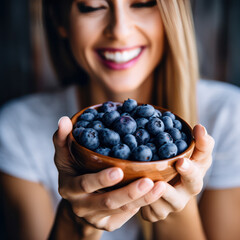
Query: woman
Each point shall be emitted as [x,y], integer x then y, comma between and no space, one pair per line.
[114,50]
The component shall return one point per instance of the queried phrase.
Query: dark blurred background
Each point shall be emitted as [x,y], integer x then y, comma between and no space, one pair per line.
[25,67]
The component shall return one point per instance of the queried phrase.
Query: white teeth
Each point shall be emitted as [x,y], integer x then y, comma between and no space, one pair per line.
[123,56]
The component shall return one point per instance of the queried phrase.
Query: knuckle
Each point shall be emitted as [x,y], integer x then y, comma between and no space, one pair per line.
[147,200]
[80,212]
[130,195]
[125,208]
[196,189]
[96,224]
[148,217]
[110,227]
[162,215]
[108,203]
[63,193]
[84,186]
[179,206]
[102,181]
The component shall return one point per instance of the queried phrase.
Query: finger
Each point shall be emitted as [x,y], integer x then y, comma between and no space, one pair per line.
[71,187]
[150,197]
[191,175]
[204,143]
[110,223]
[60,136]
[117,198]
[158,210]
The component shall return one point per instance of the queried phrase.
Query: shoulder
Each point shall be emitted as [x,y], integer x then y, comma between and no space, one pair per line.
[40,106]
[217,101]
[221,93]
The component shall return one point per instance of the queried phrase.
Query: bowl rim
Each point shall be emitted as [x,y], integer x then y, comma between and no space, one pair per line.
[124,161]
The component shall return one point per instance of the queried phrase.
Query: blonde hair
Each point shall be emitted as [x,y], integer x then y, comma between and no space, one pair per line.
[179,71]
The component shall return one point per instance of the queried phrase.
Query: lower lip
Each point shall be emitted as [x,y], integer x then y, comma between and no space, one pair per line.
[120,66]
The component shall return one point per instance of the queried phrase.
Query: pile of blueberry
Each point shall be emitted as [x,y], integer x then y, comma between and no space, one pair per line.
[131,131]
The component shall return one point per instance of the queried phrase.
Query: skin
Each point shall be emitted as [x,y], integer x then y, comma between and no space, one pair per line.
[83,214]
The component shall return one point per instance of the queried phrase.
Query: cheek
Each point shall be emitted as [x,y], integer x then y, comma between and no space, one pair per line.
[81,40]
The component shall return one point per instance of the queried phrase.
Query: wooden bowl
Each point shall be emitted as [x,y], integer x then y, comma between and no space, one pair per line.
[88,161]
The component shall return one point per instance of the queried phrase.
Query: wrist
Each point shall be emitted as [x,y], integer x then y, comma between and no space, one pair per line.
[67,224]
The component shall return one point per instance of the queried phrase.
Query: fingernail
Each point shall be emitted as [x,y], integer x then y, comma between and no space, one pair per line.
[204,130]
[185,165]
[114,174]
[60,119]
[144,184]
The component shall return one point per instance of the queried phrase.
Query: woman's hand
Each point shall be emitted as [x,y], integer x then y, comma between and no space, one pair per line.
[106,211]
[174,199]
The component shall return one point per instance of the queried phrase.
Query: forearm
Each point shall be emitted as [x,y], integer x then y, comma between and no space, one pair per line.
[69,226]
[185,225]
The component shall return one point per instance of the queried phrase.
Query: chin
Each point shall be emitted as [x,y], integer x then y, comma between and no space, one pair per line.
[123,88]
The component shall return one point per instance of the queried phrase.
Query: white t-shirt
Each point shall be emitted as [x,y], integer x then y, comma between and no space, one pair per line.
[27,126]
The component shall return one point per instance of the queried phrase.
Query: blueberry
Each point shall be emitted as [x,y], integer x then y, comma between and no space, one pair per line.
[108,107]
[141,122]
[119,109]
[157,113]
[155,126]
[177,124]
[77,133]
[169,114]
[89,138]
[134,113]
[181,145]
[152,146]
[99,116]
[121,151]
[175,133]
[91,110]
[142,136]
[97,125]
[125,114]
[145,110]
[86,117]
[125,125]
[163,138]
[129,105]
[108,137]
[109,117]
[142,153]
[130,140]
[103,150]
[168,122]
[81,123]
[167,150]
[155,157]
[184,136]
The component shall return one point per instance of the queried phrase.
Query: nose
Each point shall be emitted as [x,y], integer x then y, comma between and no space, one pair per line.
[119,24]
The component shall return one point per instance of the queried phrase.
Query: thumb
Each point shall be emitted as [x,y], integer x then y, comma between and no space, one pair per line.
[204,143]
[60,136]
[62,158]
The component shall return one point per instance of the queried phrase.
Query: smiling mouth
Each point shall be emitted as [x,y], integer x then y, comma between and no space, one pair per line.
[120,56]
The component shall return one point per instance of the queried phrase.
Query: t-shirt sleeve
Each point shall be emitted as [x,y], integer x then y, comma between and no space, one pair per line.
[225,170]
[15,157]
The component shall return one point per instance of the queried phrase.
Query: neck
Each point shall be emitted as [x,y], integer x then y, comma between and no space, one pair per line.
[100,94]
